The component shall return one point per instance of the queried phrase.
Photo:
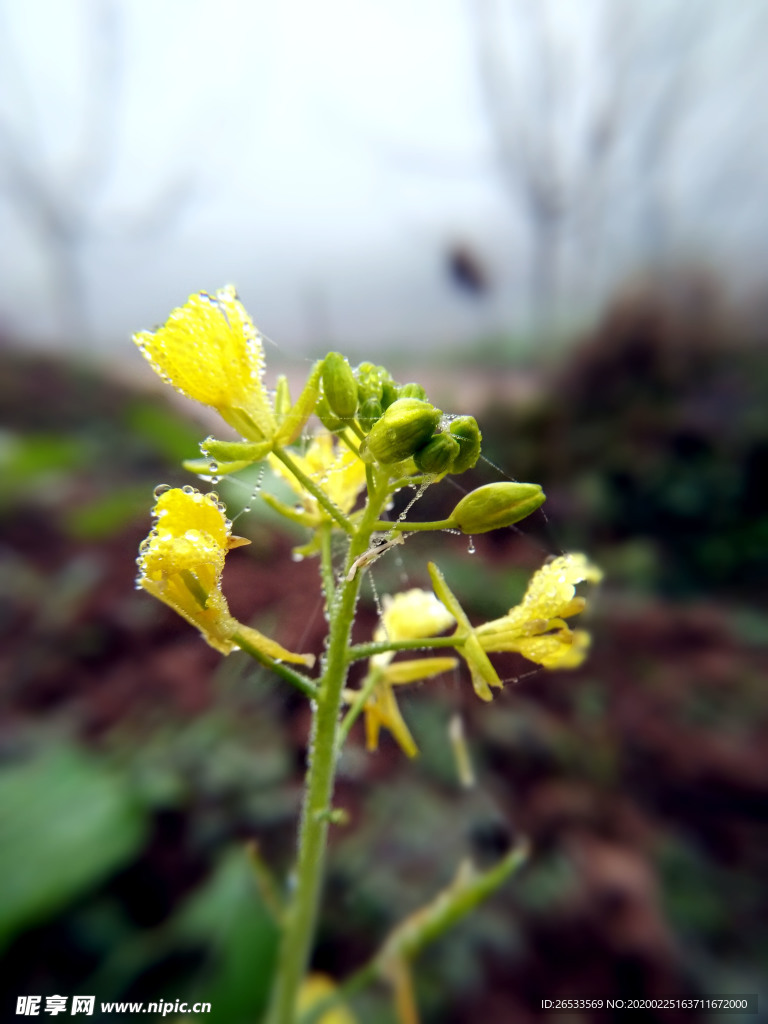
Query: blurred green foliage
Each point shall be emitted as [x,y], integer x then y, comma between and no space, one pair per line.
[66,822]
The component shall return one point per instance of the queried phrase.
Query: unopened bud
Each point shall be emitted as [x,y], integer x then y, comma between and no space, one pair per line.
[412,391]
[403,429]
[339,385]
[467,433]
[370,381]
[389,392]
[370,413]
[327,417]
[496,505]
[282,398]
[437,455]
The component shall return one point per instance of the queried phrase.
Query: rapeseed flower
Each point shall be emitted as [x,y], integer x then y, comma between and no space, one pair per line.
[535,628]
[181,563]
[210,351]
[411,615]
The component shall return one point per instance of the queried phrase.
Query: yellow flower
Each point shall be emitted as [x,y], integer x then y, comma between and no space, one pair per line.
[536,628]
[334,468]
[316,987]
[210,351]
[181,563]
[411,615]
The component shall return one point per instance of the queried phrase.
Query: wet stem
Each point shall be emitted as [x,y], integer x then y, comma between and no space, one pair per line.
[301,918]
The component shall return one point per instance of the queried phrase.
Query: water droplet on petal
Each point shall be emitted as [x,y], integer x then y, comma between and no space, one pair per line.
[161,489]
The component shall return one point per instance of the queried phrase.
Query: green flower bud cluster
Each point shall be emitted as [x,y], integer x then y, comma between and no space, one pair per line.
[396,421]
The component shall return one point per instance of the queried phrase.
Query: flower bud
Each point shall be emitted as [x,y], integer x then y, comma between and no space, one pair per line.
[467,433]
[389,392]
[437,455]
[412,391]
[327,417]
[282,398]
[403,429]
[496,505]
[339,385]
[370,413]
[370,381]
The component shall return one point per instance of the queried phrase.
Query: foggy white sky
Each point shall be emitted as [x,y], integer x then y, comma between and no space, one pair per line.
[326,155]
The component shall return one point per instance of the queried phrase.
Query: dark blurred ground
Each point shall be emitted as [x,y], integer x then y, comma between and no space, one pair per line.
[136,761]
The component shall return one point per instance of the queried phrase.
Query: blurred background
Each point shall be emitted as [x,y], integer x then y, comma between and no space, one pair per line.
[552,214]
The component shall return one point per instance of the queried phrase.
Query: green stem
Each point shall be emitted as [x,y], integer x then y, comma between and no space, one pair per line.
[326,565]
[369,685]
[301,917]
[345,439]
[404,525]
[360,651]
[316,492]
[411,936]
[290,675]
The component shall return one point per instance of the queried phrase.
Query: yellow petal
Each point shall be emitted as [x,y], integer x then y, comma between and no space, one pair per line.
[399,672]
[551,591]
[210,351]
[271,648]
[411,615]
[315,987]
[536,628]
[182,559]
[381,710]
[565,649]
[181,563]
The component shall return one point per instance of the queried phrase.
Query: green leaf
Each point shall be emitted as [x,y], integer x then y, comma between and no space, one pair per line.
[66,822]
[228,917]
[108,514]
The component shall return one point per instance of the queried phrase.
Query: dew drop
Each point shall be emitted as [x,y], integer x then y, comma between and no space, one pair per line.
[471,546]
[188,489]
[161,489]
[297,556]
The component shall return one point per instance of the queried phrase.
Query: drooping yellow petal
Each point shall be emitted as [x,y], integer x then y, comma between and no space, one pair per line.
[181,563]
[381,710]
[210,351]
